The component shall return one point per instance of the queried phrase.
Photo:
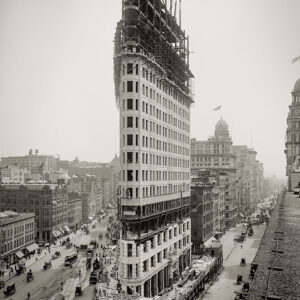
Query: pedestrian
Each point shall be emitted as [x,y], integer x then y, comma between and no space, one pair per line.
[241,245]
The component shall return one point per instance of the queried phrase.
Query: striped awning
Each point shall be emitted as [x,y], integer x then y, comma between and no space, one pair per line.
[19,254]
[32,247]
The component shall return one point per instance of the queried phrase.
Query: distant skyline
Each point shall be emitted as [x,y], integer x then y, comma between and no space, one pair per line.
[56,75]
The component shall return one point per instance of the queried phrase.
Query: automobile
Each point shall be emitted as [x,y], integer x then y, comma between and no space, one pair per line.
[93,278]
[41,245]
[10,290]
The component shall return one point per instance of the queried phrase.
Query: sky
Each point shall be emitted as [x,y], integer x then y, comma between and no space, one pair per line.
[56,74]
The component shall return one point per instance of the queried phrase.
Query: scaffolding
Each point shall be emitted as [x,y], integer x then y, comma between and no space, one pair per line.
[150,29]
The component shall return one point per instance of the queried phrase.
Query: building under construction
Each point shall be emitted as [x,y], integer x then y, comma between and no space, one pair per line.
[153,93]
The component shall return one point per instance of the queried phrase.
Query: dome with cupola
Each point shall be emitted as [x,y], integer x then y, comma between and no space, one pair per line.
[221,129]
[297,86]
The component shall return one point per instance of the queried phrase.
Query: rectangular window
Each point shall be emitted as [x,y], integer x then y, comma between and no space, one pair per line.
[136,140]
[129,104]
[136,87]
[129,122]
[137,104]
[129,157]
[129,86]
[137,69]
[129,250]
[129,68]
[137,122]
[129,271]
[129,140]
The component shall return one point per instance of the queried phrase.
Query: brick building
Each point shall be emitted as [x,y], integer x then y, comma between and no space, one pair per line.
[49,203]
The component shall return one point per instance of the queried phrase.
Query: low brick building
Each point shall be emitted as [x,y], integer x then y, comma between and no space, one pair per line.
[16,233]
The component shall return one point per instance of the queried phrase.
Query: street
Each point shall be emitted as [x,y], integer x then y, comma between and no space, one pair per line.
[47,283]
[225,284]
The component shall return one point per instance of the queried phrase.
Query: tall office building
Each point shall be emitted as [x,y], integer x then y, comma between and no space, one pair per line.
[153,93]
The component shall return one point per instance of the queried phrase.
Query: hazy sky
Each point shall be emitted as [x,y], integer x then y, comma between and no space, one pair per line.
[56,74]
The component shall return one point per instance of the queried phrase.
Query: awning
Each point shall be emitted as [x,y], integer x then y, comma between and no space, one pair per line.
[91,218]
[67,229]
[32,247]
[54,233]
[241,215]
[61,230]
[58,233]
[19,254]
[209,243]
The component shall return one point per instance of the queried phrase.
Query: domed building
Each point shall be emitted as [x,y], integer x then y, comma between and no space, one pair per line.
[216,154]
[292,143]
[221,129]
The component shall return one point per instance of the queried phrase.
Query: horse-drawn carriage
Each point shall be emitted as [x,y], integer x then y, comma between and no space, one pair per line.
[56,254]
[239,279]
[96,264]
[29,276]
[88,262]
[243,262]
[10,290]
[78,291]
[246,286]
[21,269]
[47,265]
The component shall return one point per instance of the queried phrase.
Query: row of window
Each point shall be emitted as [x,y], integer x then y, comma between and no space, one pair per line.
[156,259]
[151,191]
[133,69]
[152,143]
[155,112]
[130,157]
[16,243]
[207,158]
[151,175]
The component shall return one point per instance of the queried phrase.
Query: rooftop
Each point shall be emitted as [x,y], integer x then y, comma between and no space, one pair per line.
[8,217]
[277,259]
